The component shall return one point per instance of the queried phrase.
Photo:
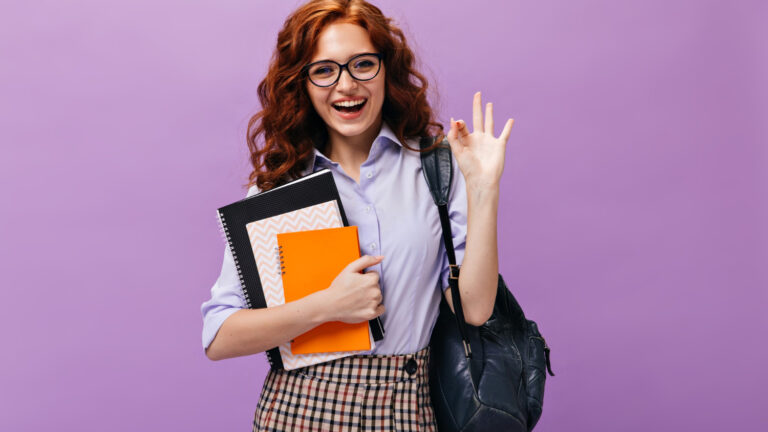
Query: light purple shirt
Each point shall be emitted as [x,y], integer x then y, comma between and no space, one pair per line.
[396,217]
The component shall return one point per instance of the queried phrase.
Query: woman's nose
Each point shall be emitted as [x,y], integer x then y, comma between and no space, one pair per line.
[346,82]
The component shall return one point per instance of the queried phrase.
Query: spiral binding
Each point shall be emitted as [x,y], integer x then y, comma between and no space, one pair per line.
[225,230]
[280,259]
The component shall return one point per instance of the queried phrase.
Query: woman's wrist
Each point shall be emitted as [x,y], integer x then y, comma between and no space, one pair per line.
[317,307]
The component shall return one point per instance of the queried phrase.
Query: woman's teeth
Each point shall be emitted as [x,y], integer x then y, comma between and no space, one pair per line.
[348,106]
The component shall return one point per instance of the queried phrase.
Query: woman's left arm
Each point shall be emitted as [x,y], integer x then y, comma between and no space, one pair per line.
[480,157]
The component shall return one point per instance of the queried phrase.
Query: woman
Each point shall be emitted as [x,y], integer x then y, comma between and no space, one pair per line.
[342,93]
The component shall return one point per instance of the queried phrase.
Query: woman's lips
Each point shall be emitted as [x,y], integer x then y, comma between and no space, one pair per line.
[351,115]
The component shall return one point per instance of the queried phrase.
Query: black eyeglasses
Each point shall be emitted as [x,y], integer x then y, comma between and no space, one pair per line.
[362,67]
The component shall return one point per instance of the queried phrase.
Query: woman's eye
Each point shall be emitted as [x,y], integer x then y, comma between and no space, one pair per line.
[322,70]
[363,64]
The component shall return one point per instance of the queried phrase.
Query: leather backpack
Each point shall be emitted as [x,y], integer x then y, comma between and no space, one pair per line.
[486,378]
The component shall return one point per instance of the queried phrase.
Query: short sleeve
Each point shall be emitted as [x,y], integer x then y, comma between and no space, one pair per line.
[226,295]
[457,213]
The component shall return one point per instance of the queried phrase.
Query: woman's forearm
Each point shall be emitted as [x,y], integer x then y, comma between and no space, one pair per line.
[478,278]
[251,331]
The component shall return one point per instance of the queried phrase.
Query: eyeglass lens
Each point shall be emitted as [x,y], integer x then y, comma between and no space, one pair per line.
[361,68]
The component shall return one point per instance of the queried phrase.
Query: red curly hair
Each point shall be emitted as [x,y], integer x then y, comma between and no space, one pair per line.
[291,127]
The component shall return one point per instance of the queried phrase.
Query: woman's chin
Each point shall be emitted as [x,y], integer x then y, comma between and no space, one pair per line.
[352,130]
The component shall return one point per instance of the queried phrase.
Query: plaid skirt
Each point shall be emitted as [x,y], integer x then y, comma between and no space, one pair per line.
[356,393]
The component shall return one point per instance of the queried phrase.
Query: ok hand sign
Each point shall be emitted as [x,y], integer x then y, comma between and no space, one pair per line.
[479,154]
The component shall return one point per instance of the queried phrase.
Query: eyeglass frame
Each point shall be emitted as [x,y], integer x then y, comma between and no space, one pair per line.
[305,69]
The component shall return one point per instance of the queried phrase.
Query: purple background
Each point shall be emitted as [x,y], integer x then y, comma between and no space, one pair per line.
[632,221]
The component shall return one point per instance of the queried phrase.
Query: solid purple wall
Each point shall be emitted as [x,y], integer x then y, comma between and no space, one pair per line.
[632,222]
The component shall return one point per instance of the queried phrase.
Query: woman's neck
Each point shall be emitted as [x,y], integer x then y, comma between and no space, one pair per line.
[351,152]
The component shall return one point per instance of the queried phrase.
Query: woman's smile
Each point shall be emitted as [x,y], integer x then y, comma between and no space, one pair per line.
[349,108]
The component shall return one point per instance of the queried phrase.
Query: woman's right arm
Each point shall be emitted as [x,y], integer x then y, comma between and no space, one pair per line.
[232,330]
[251,331]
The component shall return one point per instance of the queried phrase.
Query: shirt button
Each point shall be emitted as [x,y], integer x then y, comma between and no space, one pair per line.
[411,366]
[367,209]
[373,246]
[369,175]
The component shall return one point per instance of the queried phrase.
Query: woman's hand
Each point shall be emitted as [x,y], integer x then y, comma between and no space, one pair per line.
[479,154]
[353,296]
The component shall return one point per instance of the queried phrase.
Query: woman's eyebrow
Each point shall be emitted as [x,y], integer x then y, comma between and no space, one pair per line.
[348,58]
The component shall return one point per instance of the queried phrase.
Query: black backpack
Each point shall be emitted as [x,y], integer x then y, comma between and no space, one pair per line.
[489,377]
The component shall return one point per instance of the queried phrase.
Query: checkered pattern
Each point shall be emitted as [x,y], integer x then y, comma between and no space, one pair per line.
[357,393]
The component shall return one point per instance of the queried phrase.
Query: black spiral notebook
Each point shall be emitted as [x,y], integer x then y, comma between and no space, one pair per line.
[310,202]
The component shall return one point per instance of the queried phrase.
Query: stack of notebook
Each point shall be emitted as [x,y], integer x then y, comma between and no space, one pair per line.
[289,242]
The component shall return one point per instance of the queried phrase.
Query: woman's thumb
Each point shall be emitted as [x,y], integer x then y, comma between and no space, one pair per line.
[364,262]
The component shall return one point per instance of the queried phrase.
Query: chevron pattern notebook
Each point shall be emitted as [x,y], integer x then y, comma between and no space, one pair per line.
[314,189]
[264,236]
[310,262]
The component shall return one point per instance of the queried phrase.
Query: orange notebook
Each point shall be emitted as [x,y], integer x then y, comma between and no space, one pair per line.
[311,260]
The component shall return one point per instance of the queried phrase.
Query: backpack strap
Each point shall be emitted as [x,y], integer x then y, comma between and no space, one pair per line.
[438,172]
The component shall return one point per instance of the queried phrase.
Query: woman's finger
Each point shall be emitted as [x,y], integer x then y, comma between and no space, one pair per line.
[477,114]
[489,118]
[453,132]
[507,129]
[453,137]
[462,129]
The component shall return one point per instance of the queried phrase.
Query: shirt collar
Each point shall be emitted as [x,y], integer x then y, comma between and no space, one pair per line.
[318,160]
